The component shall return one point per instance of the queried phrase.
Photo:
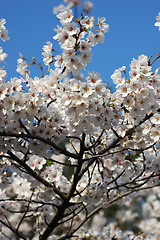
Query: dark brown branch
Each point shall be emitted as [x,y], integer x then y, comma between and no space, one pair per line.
[28,201]
[23,126]
[100,207]
[61,163]
[54,222]
[76,177]
[118,151]
[158,56]
[26,211]
[65,204]
[74,213]
[35,175]
[13,230]
[116,141]
[98,140]
[47,141]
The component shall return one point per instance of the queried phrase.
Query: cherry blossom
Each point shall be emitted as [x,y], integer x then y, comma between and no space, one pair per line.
[3,31]
[47,55]
[72,151]
[157,24]
[2,54]
[88,6]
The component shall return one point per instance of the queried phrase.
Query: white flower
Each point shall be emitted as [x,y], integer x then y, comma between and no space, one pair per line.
[156,118]
[99,37]
[21,187]
[88,22]
[128,101]
[65,16]
[93,78]
[59,61]
[58,9]
[85,58]
[84,47]
[22,68]
[63,36]
[3,74]
[36,162]
[157,24]
[3,91]
[71,28]
[58,30]
[48,47]
[104,27]
[69,43]
[88,6]
[47,58]
[123,89]
[9,102]
[14,85]
[4,34]
[2,22]
[146,127]
[117,78]
[155,134]
[2,54]
[47,55]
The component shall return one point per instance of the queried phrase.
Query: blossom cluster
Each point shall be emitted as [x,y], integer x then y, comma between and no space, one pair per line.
[4,36]
[109,233]
[158,21]
[88,6]
[76,38]
[3,31]
[49,124]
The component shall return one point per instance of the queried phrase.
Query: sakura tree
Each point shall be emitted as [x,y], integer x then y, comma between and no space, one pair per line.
[69,148]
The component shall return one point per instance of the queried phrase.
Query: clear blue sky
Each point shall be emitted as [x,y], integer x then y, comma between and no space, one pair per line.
[132,32]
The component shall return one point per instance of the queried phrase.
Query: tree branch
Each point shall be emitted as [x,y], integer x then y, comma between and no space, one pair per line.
[35,175]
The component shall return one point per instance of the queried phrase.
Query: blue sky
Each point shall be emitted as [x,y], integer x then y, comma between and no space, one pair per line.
[132,32]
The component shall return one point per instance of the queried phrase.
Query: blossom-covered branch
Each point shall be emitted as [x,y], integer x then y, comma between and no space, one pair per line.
[70,148]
